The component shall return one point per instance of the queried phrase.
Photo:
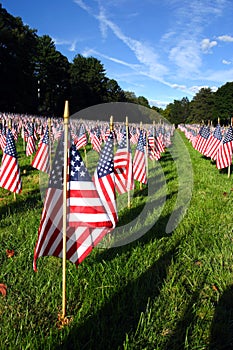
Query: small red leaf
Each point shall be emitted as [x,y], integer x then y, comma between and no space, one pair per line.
[10,253]
[3,289]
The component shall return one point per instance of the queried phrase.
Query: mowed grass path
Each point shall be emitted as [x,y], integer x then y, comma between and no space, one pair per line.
[162,291]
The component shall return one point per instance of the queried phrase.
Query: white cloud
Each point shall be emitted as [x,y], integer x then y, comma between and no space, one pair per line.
[186,56]
[206,45]
[226,62]
[226,38]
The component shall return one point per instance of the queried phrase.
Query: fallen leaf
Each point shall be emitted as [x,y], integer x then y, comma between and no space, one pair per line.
[198,263]
[215,288]
[3,289]
[10,253]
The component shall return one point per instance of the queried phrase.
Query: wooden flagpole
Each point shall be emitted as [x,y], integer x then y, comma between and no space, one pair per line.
[229,166]
[127,145]
[50,146]
[9,127]
[140,130]
[66,121]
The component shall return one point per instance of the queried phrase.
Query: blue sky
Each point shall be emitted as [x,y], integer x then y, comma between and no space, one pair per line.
[162,50]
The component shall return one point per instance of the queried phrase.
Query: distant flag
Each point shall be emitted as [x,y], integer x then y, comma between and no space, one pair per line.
[139,162]
[41,159]
[3,137]
[123,165]
[224,154]
[96,141]
[10,172]
[202,142]
[82,138]
[105,181]
[31,144]
[214,143]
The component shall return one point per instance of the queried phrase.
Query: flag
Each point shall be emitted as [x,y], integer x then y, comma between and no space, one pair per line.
[123,166]
[202,142]
[10,172]
[3,137]
[105,181]
[31,145]
[50,235]
[96,141]
[82,138]
[85,206]
[139,162]
[41,159]
[224,155]
[83,202]
[214,143]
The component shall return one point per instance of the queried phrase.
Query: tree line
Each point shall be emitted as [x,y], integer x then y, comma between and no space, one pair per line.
[36,78]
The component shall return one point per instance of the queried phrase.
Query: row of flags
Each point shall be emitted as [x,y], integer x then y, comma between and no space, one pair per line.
[214,143]
[91,202]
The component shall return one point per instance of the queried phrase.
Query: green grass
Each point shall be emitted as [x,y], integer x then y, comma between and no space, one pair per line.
[164,290]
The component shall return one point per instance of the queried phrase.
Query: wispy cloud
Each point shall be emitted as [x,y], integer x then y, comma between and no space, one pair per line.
[226,38]
[226,62]
[182,46]
[206,45]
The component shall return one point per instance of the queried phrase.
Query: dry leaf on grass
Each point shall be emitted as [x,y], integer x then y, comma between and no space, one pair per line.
[3,289]
[10,253]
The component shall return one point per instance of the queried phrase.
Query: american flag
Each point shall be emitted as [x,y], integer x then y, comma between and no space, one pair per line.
[202,142]
[139,162]
[3,137]
[123,166]
[31,144]
[96,140]
[41,159]
[82,138]
[85,206]
[104,180]
[10,172]
[214,143]
[50,236]
[224,155]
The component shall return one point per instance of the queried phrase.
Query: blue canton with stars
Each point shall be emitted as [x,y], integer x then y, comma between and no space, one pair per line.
[56,175]
[229,135]
[46,136]
[217,133]
[78,170]
[10,148]
[140,145]
[205,132]
[105,165]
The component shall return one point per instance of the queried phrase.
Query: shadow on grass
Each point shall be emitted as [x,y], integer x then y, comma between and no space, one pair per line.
[107,328]
[221,336]
[23,201]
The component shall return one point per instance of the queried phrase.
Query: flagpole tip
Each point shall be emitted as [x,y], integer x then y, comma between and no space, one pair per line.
[66,110]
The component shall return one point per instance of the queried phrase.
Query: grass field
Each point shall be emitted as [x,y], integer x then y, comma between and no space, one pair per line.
[165,290]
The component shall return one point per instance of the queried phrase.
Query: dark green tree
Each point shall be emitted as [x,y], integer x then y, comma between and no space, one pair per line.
[87,79]
[202,106]
[113,93]
[52,73]
[224,103]
[17,49]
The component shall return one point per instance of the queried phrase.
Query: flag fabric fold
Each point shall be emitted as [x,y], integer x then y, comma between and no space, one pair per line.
[104,180]
[41,159]
[123,166]
[10,178]
[224,155]
[139,162]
